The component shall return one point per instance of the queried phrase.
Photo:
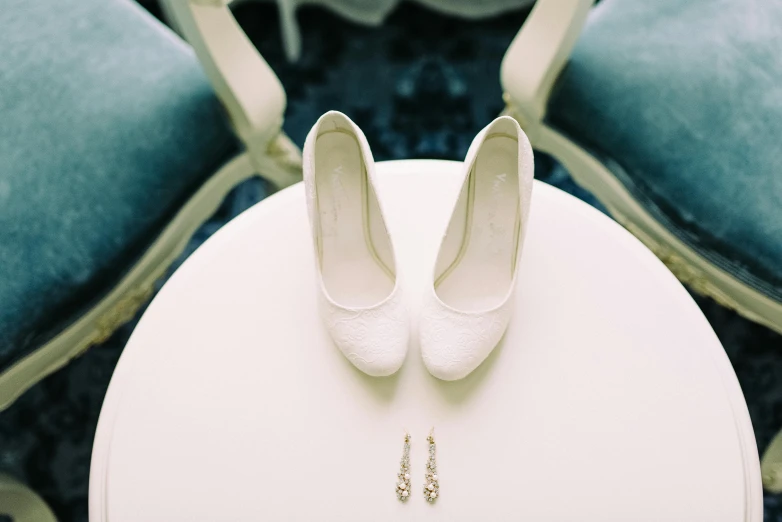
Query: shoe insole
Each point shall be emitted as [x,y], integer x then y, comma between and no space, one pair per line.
[481,275]
[352,272]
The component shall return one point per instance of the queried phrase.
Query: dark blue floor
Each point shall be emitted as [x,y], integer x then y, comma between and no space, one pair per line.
[420,86]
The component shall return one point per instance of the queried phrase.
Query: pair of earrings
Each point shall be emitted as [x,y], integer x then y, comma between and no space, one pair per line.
[431,481]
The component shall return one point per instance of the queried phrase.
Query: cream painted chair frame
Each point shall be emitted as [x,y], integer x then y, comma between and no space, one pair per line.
[255,102]
[22,504]
[529,69]
[249,90]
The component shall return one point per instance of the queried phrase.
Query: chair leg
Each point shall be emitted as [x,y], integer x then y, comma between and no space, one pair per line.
[291,34]
[280,162]
[771,465]
[22,504]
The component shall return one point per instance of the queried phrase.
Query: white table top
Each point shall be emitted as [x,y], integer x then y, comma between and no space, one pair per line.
[610,399]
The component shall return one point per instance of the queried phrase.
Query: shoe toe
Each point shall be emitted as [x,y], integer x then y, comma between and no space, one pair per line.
[377,349]
[375,340]
[454,344]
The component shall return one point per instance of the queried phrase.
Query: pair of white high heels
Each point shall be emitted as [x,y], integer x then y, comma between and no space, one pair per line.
[467,305]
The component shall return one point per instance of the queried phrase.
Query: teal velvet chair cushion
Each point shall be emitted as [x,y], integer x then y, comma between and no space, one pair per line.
[682,100]
[107,125]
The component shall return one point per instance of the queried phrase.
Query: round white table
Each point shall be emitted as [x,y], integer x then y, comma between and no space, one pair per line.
[610,398]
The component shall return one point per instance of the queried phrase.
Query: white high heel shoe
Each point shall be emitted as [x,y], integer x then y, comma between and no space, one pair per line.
[361,302]
[468,305]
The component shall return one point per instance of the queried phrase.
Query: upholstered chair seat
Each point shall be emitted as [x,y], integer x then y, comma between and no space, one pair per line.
[682,101]
[113,149]
[670,113]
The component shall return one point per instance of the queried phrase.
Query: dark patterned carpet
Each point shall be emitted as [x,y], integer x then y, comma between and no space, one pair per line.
[420,86]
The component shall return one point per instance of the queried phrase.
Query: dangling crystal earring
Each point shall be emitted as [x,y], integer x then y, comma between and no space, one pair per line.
[403,478]
[431,482]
